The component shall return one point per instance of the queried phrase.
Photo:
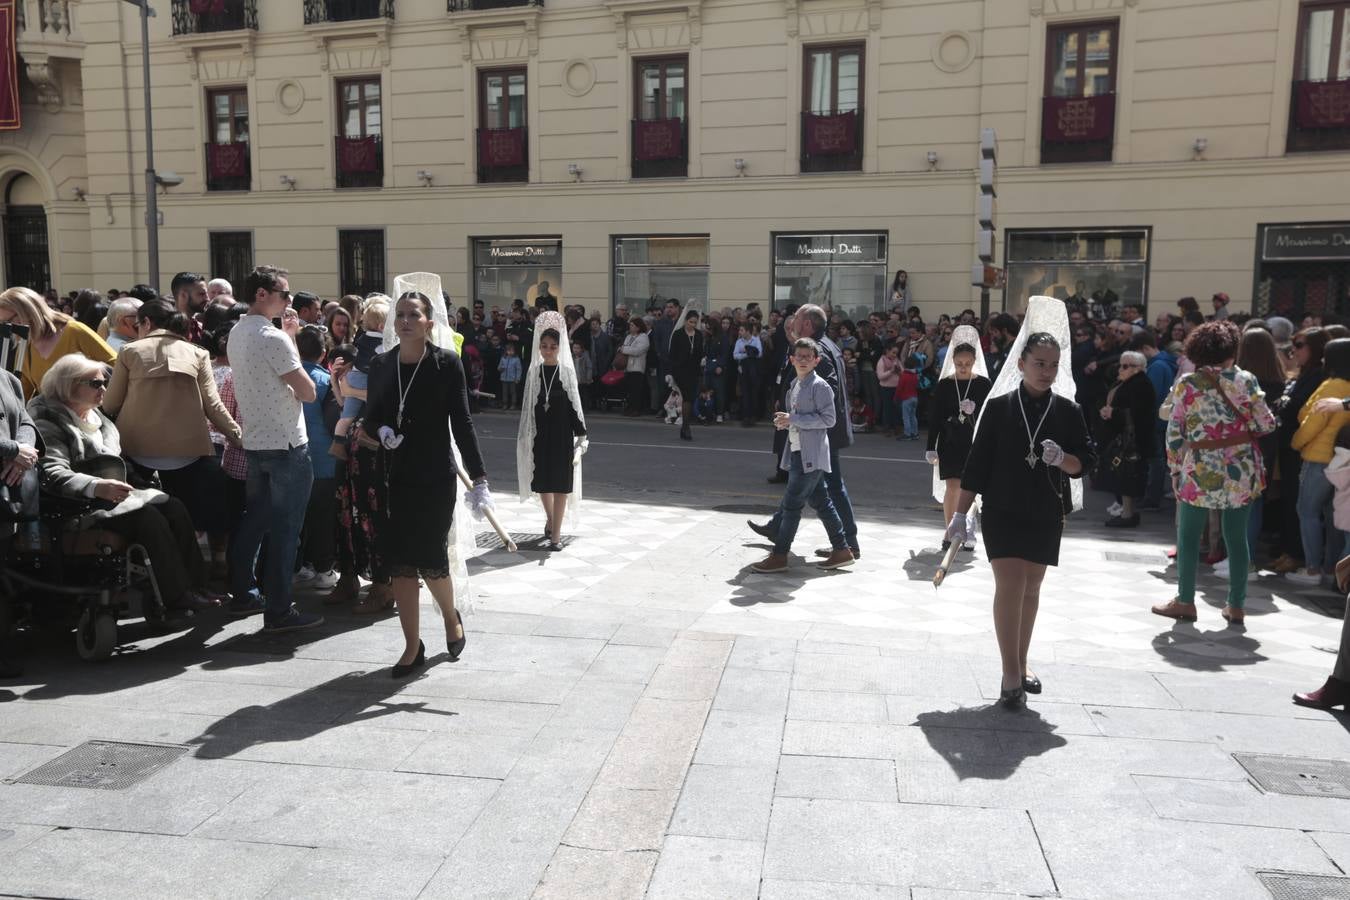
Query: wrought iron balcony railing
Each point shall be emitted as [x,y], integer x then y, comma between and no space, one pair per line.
[317,11]
[359,161]
[1319,116]
[208,16]
[471,5]
[660,148]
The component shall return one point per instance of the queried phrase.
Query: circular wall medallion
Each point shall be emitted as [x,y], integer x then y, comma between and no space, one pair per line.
[290,97]
[578,77]
[953,51]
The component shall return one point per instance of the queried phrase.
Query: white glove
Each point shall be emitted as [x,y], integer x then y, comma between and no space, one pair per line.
[390,440]
[931,457]
[1051,453]
[479,500]
[967,407]
[579,448]
[960,530]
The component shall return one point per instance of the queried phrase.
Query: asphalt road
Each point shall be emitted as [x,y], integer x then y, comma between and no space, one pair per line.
[724,464]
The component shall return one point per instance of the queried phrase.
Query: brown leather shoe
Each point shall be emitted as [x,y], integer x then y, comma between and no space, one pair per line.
[1183,612]
[774,562]
[837,559]
[825,552]
[1233,615]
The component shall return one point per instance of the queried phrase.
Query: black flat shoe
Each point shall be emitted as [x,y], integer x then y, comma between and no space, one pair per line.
[1013,698]
[762,530]
[402,671]
[1031,685]
[455,648]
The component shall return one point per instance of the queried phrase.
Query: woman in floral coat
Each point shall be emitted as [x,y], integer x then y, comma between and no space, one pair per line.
[1218,413]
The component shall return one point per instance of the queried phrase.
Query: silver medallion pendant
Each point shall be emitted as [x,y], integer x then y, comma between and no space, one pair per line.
[1031,458]
[961,418]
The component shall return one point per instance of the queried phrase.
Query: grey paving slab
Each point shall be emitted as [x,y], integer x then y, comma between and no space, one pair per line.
[644,636]
[832,648]
[401,812]
[685,651]
[67,724]
[927,676]
[260,700]
[754,690]
[725,802]
[1061,718]
[699,868]
[739,738]
[555,626]
[1234,733]
[596,703]
[837,706]
[483,684]
[344,875]
[1336,845]
[774,654]
[531,653]
[295,672]
[836,778]
[1086,684]
[890,843]
[654,748]
[1213,692]
[777,889]
[468,754]
[622,819]
[1201,861]
[14,837]
[866,740]
[575,874]
[453,714]
[118,864]
[504,622]
[623,662]
[15,759]
[684,683]
[926,893]
[1241,803]
[353,746]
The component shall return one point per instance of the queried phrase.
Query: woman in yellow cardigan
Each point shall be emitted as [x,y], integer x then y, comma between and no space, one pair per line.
[51,335]
[1315,441]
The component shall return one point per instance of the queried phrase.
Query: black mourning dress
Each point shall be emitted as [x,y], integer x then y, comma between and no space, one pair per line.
[421,472]
[686,362]
[554,429]
[947,434]
[1024,507]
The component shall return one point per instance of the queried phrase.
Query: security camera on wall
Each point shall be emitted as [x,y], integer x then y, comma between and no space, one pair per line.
[168,179]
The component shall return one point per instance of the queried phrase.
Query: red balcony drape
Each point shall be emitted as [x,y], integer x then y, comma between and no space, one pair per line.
[227,160]
[1077,120]
[1322,104]
[358,156]
[658,139]
[501,147]
[10,113]
[831,135]
[207,7]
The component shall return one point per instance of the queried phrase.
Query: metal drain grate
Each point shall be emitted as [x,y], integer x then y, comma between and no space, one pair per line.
[1297,775]
[1293,886]
[104,765]
[746,509]
[490,540]
[1147,559]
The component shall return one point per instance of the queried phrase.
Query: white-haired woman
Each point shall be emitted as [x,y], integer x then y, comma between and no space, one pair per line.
[1125,436]
[81,460]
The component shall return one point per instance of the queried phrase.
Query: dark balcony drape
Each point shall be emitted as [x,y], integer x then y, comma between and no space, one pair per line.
[207,7]
[1322,104]
[658,139]
[500,148]
[358,156]
[1076,120]
[227,160]
[830,135]
[10,118]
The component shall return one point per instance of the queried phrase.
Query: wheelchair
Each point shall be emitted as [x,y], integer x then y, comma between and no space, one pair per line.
[56,576]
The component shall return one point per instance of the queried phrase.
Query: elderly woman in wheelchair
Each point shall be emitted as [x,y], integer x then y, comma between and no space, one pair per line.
[82,470]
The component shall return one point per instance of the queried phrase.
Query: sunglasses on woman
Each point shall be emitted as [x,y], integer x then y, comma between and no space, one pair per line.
[97,384]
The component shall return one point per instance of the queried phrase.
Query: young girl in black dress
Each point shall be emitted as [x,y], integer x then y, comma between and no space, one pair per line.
[1029,444]
[957,402]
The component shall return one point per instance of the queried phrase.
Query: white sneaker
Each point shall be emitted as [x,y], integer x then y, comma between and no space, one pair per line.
[1221,569]
[720,419]
[304,576]
[1115,510]
[1303,576]
[324,581]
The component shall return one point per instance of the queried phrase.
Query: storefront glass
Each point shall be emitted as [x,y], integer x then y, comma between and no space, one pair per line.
[652,270]
[843,271]
[1304,270]
[506,269]
[1108,266]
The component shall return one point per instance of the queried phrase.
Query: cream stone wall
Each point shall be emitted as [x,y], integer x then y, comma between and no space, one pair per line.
[936,72]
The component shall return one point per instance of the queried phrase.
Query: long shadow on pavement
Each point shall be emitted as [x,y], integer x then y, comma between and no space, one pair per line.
[1187,647]
[987,742]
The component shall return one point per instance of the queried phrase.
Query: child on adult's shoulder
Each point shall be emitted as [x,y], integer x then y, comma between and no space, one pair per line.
[367,345]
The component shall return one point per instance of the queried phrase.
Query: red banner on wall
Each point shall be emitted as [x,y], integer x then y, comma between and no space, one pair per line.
[358,156]
[501,148]
[10,114]
[227,160]
[1322,104]
[831,135]
[658,139]
[1078,120]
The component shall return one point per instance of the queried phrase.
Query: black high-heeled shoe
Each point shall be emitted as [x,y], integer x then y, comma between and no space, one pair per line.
[403,671]
[1031,684]
[455,648]
[1013,698]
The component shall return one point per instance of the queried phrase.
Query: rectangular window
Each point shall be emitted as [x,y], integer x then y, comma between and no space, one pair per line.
[660,123]
[1093,270]
[361,257]
[1078,112]
[832,108]
[359,142]
[843,271]
[503,137]
[655,269]
[1319,110]
[227,156]
[525,269]
[232,257]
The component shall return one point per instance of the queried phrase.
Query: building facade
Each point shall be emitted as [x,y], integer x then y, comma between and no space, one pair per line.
[726,150]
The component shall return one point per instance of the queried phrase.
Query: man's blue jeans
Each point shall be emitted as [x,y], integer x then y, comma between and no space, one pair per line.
[276,495]
[804,487]
[909,414]
[832,483]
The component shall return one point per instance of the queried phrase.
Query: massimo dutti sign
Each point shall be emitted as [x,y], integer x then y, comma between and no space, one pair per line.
[829,249]
[518,253]
[1306,242]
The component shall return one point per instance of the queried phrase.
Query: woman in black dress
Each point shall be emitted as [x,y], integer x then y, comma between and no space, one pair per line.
[1030,443]
[957,401]
[1127,422]
[415,389]
[686,363]
[552,428]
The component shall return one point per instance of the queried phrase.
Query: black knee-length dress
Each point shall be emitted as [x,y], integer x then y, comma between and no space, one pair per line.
[421,472]
[950,432]
[554,429]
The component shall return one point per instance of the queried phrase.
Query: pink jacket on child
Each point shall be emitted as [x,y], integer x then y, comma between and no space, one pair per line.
[1338,473]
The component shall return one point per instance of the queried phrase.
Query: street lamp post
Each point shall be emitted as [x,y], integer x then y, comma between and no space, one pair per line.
[151,200]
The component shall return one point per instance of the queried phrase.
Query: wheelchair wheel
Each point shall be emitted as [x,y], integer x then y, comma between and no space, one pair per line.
[95,635]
